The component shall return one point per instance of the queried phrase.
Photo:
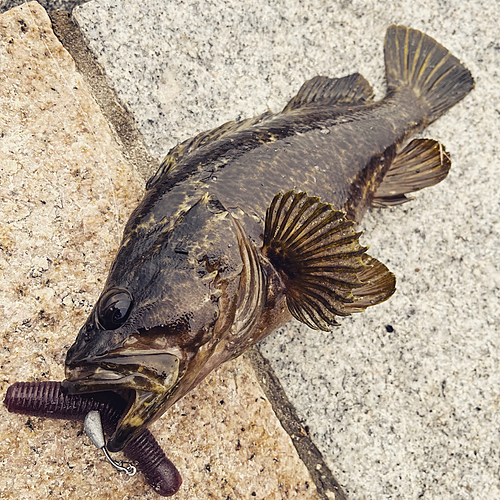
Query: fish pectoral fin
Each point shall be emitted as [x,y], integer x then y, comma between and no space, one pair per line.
[325,91]
[377,285]
[325,270]
[181,151]
[422,163]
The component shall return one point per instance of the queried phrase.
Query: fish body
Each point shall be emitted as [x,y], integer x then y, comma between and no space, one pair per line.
[226,245]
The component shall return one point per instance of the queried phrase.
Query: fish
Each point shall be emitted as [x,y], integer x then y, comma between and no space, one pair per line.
[254,222]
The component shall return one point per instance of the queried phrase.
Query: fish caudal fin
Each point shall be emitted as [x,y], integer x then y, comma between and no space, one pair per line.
[417,61]
[325,270]
[422,163]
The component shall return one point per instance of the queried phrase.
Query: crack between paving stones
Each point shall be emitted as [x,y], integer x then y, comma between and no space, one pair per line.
[326,484]
[122,122]
[48,5]
[135,151]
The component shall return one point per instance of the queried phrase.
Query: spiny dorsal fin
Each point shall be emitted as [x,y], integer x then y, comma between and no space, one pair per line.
[179,152]
[422,163]
[323,266]
[325,91]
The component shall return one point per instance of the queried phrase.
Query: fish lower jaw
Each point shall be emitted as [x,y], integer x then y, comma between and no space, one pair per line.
[142,410]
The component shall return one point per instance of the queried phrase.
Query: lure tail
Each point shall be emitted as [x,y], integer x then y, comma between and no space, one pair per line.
[417,61]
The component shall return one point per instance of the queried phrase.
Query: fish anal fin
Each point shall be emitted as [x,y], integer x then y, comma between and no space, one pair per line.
[321,262]
[182,150]
[325,91]
[422,163]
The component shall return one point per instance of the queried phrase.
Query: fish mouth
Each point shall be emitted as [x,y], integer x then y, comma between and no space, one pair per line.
[145,380]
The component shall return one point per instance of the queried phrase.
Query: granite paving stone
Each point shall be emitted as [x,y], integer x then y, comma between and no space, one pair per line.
[65,194]
[403,399]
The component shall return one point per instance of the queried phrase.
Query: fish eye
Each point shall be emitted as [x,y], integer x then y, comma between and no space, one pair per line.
[114,308]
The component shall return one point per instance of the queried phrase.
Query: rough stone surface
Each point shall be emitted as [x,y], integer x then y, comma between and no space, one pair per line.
[402,400]
[65,193]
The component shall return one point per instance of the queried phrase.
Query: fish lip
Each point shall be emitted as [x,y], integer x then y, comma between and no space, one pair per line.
[108,380]
[153,372]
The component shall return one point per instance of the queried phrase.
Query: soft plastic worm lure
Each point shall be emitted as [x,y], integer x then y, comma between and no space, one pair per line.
[45,399]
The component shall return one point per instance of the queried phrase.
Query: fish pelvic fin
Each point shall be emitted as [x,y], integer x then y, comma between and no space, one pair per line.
[325,91]
[417,61]
[325,270]
[422,163]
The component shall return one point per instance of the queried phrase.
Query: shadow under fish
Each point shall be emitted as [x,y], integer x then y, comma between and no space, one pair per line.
[213,259]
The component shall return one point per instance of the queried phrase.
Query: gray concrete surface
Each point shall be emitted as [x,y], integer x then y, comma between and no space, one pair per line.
[403,399]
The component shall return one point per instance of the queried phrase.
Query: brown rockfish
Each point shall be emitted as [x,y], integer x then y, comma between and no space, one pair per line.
[251,223]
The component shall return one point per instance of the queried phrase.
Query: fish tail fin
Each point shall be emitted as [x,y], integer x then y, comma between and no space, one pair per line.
[416,61]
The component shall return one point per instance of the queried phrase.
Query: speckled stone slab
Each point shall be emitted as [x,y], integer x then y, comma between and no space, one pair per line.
[403,400]
[65,194]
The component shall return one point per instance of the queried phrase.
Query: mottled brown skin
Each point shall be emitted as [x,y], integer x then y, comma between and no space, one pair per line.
[202,291]
[306,150]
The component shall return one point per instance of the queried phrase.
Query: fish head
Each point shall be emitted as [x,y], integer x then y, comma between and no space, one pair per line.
[170,299]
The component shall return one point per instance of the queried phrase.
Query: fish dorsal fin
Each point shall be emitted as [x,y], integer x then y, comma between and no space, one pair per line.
[325,270]
[422,163]
[182,150]
[325,91]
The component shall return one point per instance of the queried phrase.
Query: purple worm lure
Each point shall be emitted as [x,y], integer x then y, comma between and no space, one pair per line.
[45,399]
